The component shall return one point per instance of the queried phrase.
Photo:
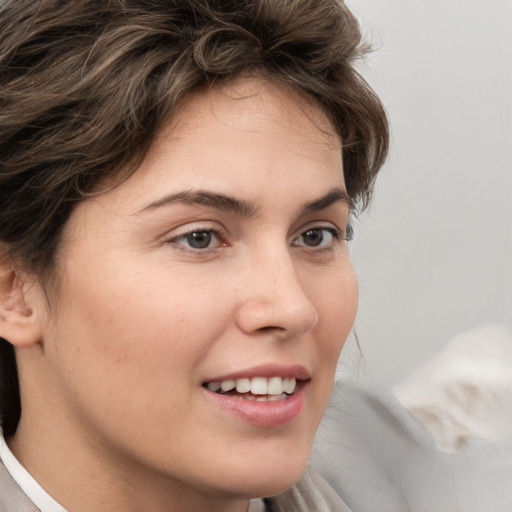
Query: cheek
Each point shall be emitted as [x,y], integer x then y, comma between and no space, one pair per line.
[114,346]
[337,307]
[164,323]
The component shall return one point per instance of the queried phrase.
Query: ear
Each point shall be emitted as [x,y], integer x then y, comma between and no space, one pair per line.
[18,323]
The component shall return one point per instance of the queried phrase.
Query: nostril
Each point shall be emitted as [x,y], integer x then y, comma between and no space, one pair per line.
[271,328]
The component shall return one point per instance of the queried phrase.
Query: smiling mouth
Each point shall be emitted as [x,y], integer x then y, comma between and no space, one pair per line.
[260,389]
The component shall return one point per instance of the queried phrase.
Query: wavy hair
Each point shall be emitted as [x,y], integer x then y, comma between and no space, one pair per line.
[85,86]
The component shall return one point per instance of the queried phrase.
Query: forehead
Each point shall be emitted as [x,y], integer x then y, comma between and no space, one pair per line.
[247,107]
[248,138]
[224,124]
[251,105]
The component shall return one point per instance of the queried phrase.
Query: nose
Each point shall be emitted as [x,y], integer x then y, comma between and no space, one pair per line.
[274,298]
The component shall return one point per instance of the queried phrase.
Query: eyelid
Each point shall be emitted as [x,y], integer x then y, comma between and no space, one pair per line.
[342,234]
[178,234]
[332,238]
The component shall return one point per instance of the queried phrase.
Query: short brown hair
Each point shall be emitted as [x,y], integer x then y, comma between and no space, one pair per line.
[85,85]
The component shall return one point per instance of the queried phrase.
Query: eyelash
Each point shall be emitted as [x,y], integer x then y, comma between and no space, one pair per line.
[334,233]
[212,234]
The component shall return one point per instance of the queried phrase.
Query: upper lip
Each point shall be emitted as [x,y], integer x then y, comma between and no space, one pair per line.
[296,371]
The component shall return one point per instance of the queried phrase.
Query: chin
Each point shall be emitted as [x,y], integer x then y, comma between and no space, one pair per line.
[276,484]
[266,474]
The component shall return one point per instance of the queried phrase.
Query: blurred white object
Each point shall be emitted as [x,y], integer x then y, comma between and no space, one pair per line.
[465,392]
[379,458]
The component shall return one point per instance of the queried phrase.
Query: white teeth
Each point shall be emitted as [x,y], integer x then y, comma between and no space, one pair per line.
[259,386]
[275,386]
[213,386]
[272,387]
[243,385]
[276,398]
[289,385]
[266,398]
[227,385]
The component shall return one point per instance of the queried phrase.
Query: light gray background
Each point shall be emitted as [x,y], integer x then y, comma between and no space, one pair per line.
[434,252]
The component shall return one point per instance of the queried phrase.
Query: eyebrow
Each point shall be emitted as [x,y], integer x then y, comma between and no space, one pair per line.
[209,199]
[240,206]
[335,195]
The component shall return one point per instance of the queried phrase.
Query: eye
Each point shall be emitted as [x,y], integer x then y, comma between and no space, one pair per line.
[198,239]
[318,237]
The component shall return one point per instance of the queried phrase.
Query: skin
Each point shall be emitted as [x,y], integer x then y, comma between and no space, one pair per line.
[112,372]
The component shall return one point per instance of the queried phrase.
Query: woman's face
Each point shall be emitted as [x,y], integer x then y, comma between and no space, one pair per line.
[221,259]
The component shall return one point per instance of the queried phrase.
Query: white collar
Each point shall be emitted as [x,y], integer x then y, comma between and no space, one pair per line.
[39,497]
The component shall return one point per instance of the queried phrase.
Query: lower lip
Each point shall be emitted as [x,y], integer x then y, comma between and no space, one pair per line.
[263,414]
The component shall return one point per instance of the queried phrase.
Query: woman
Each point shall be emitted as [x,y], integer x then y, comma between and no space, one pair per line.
[176,185]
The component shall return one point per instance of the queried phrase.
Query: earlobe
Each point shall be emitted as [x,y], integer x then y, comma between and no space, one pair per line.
[18,322]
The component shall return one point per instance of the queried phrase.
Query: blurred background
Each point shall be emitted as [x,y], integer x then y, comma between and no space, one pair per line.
[434,252]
